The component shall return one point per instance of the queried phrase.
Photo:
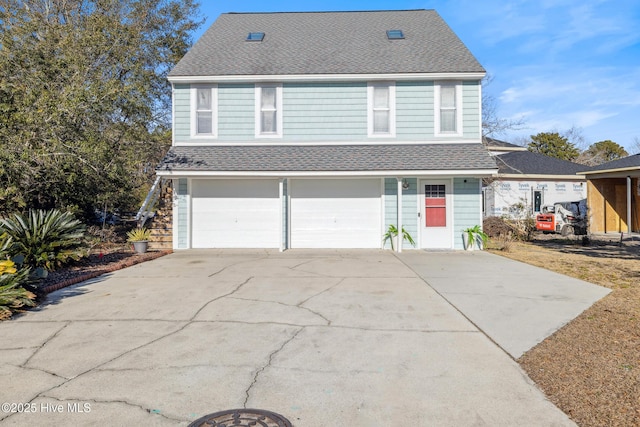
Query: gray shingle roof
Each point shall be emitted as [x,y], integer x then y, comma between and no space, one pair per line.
[327,43]
[323,158]
[528,163]
[629,162]
[496,143]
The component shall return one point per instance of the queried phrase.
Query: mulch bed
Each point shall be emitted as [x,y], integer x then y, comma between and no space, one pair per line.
[93,266]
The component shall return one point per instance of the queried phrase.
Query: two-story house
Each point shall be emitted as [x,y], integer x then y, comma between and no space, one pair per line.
[319,130]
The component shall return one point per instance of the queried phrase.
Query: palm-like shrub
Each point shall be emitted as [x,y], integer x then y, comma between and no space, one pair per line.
[46,239]
[12,294]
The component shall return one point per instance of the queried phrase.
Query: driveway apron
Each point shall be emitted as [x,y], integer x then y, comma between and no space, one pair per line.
[516,304]
[324,338]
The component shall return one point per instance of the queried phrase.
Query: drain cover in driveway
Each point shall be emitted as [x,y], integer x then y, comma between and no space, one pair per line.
[242,417]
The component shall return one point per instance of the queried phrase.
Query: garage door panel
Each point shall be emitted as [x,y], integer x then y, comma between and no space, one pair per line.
[336,214]
[235,214]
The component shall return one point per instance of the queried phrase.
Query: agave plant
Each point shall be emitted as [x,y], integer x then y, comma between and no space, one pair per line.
[138,235]
[12,294]
[44,239]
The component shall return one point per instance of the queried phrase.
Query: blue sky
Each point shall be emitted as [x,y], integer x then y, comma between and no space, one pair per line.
[555,63]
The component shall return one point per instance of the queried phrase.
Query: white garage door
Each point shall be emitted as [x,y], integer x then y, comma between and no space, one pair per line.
[235,213]
[331,213]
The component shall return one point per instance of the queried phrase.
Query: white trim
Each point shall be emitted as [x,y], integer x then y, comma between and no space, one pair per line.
[280,223]
[391,86]
[399,201]
[250,143]
[193,92]
[189,212]
[436,109]
[173,114]
[480,108]
[449,197]
[174,213]
[383,216]
[520,176]
[258,110]
[628,169]
[472,173]
[325,77]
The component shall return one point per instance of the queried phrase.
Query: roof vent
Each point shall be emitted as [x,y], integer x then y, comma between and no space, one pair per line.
[395,34]
[255,37]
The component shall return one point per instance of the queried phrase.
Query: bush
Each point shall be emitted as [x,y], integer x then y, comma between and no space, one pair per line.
[12,294]
[519,229]
[495,227]
[44,239]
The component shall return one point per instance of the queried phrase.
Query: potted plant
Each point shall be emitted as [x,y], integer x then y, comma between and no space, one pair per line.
[473,236]
[139,237]
[392,236]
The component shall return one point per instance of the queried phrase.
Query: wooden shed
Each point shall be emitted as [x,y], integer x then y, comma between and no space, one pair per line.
[613,196]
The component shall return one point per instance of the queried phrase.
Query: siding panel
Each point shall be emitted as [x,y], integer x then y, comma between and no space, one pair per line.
[390,206]
[182,105]
[466,207]
[236,112]
[324,111]
[182,206]
[414,110]
[471,110]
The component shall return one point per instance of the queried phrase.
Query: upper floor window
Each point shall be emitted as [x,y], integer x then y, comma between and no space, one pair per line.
[268,110]
[204,105]
[382,109]
[448,109]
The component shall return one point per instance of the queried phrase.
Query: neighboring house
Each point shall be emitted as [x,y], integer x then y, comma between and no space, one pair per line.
[527,181]
[614,195]
[299,130]
[495,146]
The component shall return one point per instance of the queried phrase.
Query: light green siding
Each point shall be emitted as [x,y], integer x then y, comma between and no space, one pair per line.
[327,112]
[471,109]
[181,108]
[324,111]
[409,208]
[409,211]
[236,112]
[414,110]
[467,199]
[182,213]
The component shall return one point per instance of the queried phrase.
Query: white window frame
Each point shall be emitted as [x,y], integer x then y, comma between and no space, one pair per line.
[459,125]
[392,110]
[258,111]
[194,110]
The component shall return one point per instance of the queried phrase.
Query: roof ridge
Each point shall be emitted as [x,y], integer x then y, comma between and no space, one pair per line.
[328,11]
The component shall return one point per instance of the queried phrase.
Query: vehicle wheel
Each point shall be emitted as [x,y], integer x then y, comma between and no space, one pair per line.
[566,230]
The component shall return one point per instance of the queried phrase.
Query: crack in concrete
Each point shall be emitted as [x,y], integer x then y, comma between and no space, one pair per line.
[237,288]
[237,263]
[40,347]
[45,371]
[286,305]
[187,323]
[268,364]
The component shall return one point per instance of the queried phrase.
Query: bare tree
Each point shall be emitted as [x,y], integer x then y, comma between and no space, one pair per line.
[492,124]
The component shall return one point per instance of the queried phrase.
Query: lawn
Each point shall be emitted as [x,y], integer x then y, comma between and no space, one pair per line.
[591,367]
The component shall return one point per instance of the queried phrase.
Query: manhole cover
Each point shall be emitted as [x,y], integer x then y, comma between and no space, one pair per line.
[242,417]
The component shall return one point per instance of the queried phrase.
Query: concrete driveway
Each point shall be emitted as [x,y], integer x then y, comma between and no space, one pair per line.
[324,338]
